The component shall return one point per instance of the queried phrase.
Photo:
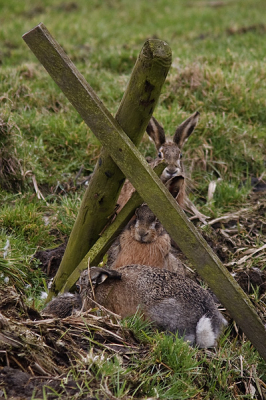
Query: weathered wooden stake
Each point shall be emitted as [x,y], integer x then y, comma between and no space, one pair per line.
[151,189]
[98,250]
[133,115]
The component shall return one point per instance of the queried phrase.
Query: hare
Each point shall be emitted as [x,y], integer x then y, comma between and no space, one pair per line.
[173,304]
[170,152]
[63,305]
[144,241]
[67,304]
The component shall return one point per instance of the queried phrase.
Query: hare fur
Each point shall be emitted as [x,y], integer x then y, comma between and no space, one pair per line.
[63,305]
[172,303]
[144,241]
[169,151]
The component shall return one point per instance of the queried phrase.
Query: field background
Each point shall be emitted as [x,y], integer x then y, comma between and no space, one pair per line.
[47,152]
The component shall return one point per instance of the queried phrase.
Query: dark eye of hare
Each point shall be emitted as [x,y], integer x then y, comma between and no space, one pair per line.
[181,155]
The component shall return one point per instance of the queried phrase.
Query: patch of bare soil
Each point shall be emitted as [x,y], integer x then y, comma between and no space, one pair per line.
[68,6]
[50,259]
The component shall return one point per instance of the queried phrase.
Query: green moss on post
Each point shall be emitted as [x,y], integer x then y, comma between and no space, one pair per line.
[133,115]
[183,232]
[96,253]
[151,189]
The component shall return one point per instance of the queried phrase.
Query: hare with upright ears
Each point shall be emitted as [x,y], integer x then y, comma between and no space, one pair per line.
[170,152]
[171,303]
[144,241]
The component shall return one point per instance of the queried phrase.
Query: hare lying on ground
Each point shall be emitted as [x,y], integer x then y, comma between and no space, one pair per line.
[170,152]
[63,305]
[144,241]
[170,302]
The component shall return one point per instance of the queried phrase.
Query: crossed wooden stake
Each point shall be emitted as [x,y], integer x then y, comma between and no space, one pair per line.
[119,158]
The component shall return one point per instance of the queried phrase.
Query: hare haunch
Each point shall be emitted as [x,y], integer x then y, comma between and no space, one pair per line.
[173,304]
[144,241]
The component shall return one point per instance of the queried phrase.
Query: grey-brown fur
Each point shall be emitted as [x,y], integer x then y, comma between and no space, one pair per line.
[171,150]
[144,241]
[63,305]
[172,303]
[67,304]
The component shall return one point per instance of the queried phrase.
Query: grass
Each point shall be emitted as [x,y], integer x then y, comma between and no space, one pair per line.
[218,68]
[168,368]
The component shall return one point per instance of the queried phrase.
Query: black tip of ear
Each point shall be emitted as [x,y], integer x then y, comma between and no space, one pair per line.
[112,273]
[99,275]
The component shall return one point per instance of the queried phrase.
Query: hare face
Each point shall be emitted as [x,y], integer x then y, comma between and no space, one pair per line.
[171,154]
[170,150]
[144,242]
[144,233]
[146,228]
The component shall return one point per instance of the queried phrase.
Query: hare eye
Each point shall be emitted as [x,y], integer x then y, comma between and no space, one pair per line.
[160,154]
[181,155]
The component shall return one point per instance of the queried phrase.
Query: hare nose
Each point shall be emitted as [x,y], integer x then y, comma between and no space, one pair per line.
[143,235]
[171,170]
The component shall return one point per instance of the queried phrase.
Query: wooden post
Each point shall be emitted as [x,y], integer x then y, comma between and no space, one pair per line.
[98,250]
[151,189]
[133,115]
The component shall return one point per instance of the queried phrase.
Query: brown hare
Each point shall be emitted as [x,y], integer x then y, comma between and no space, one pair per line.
[144,241]
[172,303]
[170,152]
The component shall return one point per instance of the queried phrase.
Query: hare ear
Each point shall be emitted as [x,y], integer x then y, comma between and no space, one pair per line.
[156,132]
[99,275]
[140,208]
[184,130]
[174,185]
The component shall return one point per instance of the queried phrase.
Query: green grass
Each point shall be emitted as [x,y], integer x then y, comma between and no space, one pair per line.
[218,68]
[169,368]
